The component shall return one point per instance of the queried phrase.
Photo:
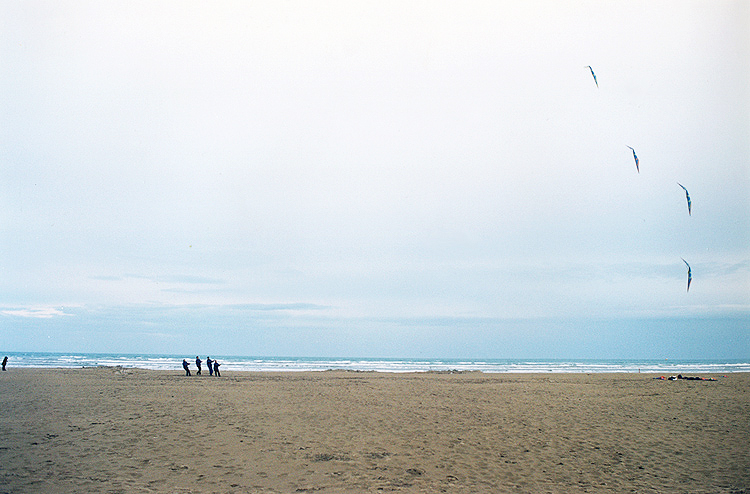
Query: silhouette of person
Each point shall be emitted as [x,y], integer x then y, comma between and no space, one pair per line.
[216,368]
[198,364]
[185,366]
[210,364]
[5,361]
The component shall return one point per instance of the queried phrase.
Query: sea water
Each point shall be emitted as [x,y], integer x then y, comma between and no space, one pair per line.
[292,364]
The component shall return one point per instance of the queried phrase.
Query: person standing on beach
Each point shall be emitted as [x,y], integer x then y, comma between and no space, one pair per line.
[216,368]
[210,364]
[5,361]
[186,367]
[198,365]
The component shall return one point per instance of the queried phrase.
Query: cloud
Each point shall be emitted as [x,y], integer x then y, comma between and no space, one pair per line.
[387,163]
[189,313]
[293,306]
[35,313]
[167,278]
[106,278]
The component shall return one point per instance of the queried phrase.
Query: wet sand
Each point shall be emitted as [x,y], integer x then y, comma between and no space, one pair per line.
[111,430]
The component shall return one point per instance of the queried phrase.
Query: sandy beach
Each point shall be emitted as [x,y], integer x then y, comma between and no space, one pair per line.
[113,430]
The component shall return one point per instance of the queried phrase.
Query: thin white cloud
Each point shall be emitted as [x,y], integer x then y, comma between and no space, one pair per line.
[35,313]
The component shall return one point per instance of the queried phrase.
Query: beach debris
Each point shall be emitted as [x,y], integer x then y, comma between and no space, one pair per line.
[685,378]
[593,75]
[330,457]
[378,455]
[635,157]
[690,274]
[687,195]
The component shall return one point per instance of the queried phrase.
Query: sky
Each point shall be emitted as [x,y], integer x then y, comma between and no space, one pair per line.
[375,179]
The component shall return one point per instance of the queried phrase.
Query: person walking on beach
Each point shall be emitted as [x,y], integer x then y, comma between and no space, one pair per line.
[198,365]
[5,361]
[186,367]
[216,368]
[210,364]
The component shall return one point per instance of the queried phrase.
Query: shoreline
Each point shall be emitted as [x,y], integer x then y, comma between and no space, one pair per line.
[248,374]
[110,429]
[395,365]
[342,373]
[240,373]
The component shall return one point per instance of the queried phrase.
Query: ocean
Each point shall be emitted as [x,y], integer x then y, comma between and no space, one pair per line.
[295,364]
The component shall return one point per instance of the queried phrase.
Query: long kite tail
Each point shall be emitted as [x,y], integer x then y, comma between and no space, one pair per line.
[687,196]
[690,274]
[593,75]
[635,157]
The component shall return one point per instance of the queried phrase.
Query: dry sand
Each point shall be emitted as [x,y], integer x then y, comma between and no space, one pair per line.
[111,430]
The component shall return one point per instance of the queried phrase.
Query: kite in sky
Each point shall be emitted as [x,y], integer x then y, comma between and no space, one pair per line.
[688,198]
[636,160]
[690,273]
[593,75]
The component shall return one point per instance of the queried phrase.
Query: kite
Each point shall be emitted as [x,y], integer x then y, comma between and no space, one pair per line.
[690,273]
[636,160]
[593,75]
[690,203]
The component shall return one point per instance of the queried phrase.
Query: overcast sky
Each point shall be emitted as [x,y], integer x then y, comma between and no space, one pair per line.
[375,178]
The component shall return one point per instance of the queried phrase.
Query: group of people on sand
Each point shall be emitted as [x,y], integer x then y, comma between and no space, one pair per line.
[213,366]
